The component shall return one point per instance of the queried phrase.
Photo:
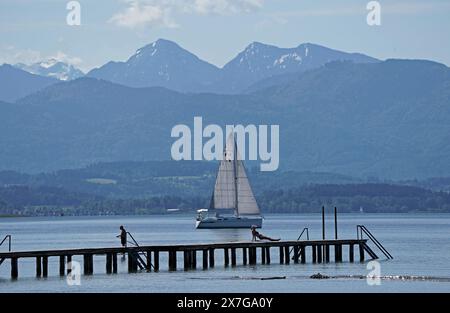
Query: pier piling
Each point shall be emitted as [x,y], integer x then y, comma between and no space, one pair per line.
[267,255]
[109,266]
[14,268]
[45,266]
[211,257]
[351,255]
[205,259]
[226,257]
[172,260]
[263,255]
[361,252]
[38,266]
[319,254]
[233,256]
[114,263]
[62,265]
[281,255]
[156,260]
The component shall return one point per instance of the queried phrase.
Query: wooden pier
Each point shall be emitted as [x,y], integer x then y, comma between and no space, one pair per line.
[147,258]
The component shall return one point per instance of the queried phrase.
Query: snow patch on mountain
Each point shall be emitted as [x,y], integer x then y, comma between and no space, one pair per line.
[52,68]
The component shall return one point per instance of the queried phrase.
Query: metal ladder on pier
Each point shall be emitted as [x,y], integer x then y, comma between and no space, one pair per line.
[142,264]
[7,237]
[360,230]
[306,229]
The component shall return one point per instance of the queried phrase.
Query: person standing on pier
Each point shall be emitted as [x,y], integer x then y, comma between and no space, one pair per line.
[123,236]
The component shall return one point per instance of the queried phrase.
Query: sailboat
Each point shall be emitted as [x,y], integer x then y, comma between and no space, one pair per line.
[233,204]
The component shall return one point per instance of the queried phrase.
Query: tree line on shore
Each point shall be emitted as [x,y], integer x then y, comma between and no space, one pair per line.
[369,197]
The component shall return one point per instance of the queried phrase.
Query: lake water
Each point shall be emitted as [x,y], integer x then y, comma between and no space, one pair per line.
[420,244]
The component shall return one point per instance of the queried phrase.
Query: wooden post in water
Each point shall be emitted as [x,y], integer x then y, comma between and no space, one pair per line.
[156,263]
[335,224]
[205,259]
[351,253]
[45,266]
[244,256]
[172,260]
[85,264]
[14,268]
[323,222]
[287,256]
[108,263]
[233,256]
[327,253]
[263,255]
[319,254]
[114,263]
[62,265]
[211,257]
[130,264]
[267,255]
[186,259]
[314,253]
[226,257]
[281,255]
[361,252]
[252,255]
[38,266]
[91,264]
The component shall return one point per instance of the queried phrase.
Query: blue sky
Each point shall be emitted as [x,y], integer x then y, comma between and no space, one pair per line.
[216,30]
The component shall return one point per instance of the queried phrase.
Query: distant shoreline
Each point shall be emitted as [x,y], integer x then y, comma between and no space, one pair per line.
[12,215]
[5,216]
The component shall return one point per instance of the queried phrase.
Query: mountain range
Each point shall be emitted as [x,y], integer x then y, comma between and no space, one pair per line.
[387,119]
[165,64]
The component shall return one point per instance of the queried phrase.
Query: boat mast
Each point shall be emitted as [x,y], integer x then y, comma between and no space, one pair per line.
[235,176]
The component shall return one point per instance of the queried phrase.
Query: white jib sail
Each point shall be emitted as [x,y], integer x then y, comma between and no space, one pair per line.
[247,204]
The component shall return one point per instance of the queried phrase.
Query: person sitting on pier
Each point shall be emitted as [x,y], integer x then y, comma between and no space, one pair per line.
[256,235]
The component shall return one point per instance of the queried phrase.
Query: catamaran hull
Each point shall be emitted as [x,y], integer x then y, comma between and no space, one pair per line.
[229,222]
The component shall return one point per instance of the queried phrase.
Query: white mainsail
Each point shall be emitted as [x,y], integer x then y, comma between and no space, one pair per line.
[232,189]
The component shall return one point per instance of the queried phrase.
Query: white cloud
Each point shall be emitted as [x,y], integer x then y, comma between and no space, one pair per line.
[225,6]
[140,13]
[63,57]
